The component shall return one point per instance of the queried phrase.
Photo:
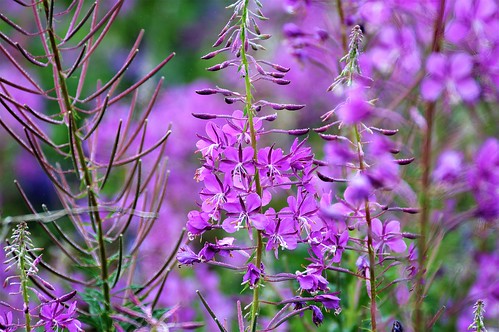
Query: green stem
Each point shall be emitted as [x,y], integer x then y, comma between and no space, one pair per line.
[24,282]
[372,258]
[81,164]
[419,324]
[255,306]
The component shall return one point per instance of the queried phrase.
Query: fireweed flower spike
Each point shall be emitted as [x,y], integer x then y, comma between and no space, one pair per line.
[371,168]
[242,176]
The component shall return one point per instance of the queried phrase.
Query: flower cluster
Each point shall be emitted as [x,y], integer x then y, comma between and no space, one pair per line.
[242,175]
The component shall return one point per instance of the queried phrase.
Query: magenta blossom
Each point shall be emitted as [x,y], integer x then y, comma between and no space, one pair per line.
[312,280]
[317,315]
[6,324]
[55,316]
[281,233]
[356,109]
[245,212]
[253,275]
[389,235]
[449,167]
[452,76]
[330,301]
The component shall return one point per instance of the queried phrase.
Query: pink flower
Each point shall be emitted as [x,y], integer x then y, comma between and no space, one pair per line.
[388,235]
[451,76]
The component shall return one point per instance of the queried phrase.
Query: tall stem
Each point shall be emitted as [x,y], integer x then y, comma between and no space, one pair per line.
[81,164]
[248,110]
[341,15]
[370,248]
[424,198]
[24,280]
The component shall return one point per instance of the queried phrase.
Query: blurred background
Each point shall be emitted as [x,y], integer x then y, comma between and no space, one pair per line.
[307,38]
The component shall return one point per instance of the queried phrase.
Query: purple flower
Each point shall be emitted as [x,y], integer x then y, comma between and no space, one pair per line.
[281,233]
[484,179]
[6,324]
[198,223]
[330,301]
[55,316]
[245,211]
[215,194]
[238,162]
[300,156]
[252,275]
[479,16]
[303,208]
[449,167]
[351,206]
[388,234]
[450,75]
[186,256]
[238,129]
[317,316]
[312,280]
[211,144]
[356,109]
[272,164]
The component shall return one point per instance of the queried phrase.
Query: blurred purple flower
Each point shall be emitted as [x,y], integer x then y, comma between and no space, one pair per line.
[356,109]
[484,179]
[477,16]
[449,167]
[397,47]
[451,75]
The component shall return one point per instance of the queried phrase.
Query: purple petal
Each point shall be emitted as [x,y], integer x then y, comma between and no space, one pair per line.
[229,225]
[259,221]
[253,203]
[436,65]
[397,245]
[460,66]
[393,226]
[485,8]
[431,89]
[456,31]
[468,89]
[307,282]
[377,227]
